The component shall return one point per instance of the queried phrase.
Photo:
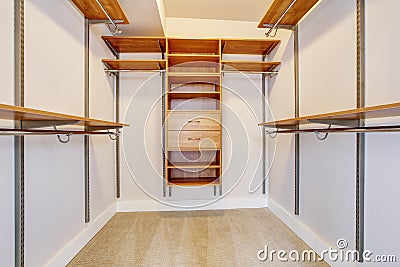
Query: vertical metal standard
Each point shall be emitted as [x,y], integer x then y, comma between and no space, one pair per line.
[164,145]
[264,141]
[296,114]
[360,179]
[86,114]
[19,144]
[19,151]
[117,140]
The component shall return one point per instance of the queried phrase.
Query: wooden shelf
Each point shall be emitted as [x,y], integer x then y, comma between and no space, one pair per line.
[133,44]
[248,46]
[292,17]
[121,64]
[193,60]
[249,66]
[185,95]
[193,46]
[192,166]
[203,181]
[184,78]
[92,11]
[345,117]
[43,118]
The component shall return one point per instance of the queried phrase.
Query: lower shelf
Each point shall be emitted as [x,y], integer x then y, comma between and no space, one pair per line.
[201,181]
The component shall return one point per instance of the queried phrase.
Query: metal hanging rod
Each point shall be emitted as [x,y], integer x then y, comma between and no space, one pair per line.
[21,132]
[117,30]
[361,129]
[280,19]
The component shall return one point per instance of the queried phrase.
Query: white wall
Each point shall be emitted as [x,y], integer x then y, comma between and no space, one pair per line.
[6,142]
[327,168]
[54,172]
[141,104]
[382,87]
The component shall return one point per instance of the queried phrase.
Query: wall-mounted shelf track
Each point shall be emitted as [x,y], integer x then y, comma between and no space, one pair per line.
[92,10]
[349,120]
[35,118]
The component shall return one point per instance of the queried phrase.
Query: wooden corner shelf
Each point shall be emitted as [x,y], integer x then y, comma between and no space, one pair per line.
[133,44]
[187,95]
[248,46]
[194,182]
[185,78]
[249,66]
[345,117]
[193,60]
[46,118]
[144,65]
[193,46]
[92,11]
[292,17]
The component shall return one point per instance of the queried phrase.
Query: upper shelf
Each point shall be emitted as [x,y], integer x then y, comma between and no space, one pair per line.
[292,17]
[92,11]
[248,46]
[345,117]
[133,44]
[193,46]
[122,64]
[249,66]
[41,118]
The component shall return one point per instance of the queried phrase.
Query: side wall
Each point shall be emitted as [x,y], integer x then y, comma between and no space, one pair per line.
[54,172]
[6,142]
[328,168]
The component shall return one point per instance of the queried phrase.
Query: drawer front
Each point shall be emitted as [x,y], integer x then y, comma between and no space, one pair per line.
[195,121]
[194,139]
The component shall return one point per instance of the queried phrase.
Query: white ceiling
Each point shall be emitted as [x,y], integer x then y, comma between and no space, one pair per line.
[145,16]
[239,10]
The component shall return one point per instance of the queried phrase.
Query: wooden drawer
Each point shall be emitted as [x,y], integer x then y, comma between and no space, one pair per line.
[194,140]
[194,121]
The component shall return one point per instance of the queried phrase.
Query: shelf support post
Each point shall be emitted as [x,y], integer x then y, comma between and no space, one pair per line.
[19,141]
[118,138]
[360,179]
[297,113]
[86,114]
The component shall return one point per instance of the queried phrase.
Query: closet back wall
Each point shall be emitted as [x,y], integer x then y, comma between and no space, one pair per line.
[242,140]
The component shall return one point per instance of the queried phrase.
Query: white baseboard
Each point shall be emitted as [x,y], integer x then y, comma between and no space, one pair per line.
[305,233]
[68,252]
[228,203]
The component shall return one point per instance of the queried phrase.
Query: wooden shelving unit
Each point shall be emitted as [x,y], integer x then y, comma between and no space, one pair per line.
[134,44]
[121,64]
[346,118]
[36,118]
[193,109]
[248,46]
[293,15]
[249,66]
[91,10]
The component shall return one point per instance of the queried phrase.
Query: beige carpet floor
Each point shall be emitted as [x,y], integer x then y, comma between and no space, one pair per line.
[191,238]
